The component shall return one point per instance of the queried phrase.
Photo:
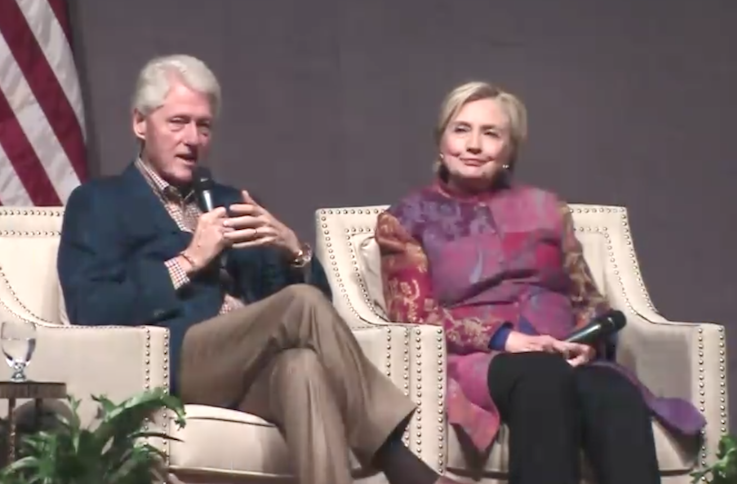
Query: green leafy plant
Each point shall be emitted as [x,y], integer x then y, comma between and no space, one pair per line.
[114,452]
[724,469]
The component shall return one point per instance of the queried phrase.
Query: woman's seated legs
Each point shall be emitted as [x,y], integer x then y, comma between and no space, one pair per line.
[536,396]
[617,427]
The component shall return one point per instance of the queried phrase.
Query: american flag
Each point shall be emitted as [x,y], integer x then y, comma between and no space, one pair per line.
[42,150]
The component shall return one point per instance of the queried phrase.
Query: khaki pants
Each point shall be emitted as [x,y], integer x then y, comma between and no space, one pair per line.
[290,359]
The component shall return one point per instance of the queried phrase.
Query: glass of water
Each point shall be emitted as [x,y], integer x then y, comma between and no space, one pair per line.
[18,339]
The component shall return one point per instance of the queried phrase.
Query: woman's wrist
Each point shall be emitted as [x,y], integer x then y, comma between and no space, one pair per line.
[512,339]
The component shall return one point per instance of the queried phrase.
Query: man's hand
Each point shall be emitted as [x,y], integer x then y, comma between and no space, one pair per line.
[576,354]
[208,240]
[253,225]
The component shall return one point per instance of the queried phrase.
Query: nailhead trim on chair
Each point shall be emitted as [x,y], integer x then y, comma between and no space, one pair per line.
[19,316]
[441,348]
[15,297]
[405,377]
[418,389]
[45,212]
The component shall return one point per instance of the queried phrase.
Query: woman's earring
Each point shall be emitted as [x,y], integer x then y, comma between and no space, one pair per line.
[441,156]
[505,166]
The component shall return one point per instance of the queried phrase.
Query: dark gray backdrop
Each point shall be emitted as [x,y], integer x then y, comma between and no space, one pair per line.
[332,103]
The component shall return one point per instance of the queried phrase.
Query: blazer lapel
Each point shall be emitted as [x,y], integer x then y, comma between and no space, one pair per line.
[144,204]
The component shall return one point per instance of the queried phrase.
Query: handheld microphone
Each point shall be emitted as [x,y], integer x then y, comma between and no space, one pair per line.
[202,184]
[600,327]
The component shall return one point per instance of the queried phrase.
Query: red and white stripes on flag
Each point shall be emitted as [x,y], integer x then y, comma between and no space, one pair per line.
[42,156]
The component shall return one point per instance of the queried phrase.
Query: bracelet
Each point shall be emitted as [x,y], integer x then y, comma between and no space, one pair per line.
[188,259]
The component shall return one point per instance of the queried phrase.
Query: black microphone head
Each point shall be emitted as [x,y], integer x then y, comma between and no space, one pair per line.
[616,319]
[601,326]
[201,179]
[202,186]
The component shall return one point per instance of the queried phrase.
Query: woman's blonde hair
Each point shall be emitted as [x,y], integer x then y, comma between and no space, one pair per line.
[476,91]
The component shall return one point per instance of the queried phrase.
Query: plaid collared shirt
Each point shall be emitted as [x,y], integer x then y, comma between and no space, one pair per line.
[184,210]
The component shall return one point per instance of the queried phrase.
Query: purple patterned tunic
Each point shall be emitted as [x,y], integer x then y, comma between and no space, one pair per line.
[474,263]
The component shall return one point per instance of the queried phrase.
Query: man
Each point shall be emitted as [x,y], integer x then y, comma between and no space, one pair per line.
[246,330]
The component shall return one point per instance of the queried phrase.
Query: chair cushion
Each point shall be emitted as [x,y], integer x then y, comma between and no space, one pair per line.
[218,439]
[370,266]
[63,316]
[674,455]
[28,248]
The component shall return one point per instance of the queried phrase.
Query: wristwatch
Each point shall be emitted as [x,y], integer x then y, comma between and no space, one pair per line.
[303,257]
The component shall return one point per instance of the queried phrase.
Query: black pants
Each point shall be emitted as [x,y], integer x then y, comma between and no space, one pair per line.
[554,410]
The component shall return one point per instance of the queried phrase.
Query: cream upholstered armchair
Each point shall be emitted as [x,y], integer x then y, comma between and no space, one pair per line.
[675,359]
[218,445]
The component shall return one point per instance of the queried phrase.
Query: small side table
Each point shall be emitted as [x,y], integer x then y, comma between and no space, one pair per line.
[38,391]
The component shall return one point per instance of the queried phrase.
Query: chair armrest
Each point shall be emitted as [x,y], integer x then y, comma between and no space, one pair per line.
[414,358]
[686,360]
[114,361]
[428,381]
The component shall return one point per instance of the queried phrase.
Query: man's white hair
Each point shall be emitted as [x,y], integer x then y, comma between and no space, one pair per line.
[155,80]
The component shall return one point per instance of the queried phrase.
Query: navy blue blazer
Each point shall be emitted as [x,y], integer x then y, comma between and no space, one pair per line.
[115,238]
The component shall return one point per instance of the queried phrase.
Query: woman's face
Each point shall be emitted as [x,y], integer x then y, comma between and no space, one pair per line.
[476,145]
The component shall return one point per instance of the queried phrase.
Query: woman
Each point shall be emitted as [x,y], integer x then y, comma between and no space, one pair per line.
[497,264]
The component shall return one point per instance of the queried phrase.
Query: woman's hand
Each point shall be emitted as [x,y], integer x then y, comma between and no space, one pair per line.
[520,343]
[579,354]
[575,353]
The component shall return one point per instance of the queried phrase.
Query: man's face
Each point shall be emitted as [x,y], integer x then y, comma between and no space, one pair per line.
[176,135]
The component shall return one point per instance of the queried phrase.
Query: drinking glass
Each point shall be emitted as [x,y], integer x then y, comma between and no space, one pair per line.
[18,340]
